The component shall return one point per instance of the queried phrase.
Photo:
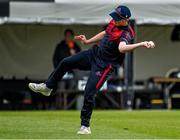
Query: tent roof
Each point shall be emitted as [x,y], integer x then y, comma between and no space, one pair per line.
[93,11]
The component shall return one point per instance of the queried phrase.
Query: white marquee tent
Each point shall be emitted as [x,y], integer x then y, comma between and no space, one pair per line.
[92,11]
[20,41]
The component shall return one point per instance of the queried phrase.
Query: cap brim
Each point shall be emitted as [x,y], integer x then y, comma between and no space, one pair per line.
[115,16]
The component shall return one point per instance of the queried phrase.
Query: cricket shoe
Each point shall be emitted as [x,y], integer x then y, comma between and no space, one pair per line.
[84,130]
[40,88]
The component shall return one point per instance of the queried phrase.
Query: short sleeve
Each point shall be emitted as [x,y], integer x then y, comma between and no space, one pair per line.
[126,37]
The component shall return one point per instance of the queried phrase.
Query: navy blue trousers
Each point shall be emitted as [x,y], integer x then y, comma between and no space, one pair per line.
[99,72]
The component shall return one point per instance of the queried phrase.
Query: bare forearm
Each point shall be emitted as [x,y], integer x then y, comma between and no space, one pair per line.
[130,47]
[123,47]
[96,38]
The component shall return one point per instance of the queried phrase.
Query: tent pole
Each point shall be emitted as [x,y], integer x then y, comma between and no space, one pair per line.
[129,77]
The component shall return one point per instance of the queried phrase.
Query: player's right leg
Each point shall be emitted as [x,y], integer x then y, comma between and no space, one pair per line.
[81,61]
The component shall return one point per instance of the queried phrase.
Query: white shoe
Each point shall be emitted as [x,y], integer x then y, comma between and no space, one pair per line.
[40,88]
[84,130]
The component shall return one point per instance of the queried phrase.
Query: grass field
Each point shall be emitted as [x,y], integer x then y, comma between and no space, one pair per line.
[105,125]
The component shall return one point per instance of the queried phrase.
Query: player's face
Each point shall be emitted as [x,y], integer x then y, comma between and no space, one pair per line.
[123,22]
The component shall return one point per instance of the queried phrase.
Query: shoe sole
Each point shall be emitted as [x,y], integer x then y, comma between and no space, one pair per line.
[31,88]
[81,133]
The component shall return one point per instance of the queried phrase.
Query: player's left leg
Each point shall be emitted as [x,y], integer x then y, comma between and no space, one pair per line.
[96,79]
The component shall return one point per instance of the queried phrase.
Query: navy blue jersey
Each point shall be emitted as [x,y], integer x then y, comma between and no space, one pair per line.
[108,48]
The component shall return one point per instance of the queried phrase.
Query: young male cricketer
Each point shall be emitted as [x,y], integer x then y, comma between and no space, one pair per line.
[115,41]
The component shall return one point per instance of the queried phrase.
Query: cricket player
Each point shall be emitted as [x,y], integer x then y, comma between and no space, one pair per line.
[115,41]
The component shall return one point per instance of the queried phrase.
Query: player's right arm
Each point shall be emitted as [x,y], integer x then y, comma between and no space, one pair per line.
[94,39]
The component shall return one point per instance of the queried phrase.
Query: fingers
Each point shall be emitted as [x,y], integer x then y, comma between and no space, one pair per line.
[79,37]
[149,44]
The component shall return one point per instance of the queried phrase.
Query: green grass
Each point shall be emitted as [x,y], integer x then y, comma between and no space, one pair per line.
[105,125]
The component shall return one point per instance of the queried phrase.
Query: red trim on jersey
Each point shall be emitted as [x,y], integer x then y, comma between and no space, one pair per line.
[114,32]
[101,80]
[127,34]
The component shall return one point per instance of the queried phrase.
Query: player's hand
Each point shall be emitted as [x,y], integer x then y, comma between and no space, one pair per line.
[148,44]
[82,39]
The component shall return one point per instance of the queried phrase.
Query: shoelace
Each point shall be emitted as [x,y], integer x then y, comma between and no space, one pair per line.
[82,128]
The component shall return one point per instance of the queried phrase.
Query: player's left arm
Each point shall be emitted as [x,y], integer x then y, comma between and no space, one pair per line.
[124,47]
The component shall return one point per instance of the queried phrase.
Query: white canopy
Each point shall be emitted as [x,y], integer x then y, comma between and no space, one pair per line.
[93,11]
